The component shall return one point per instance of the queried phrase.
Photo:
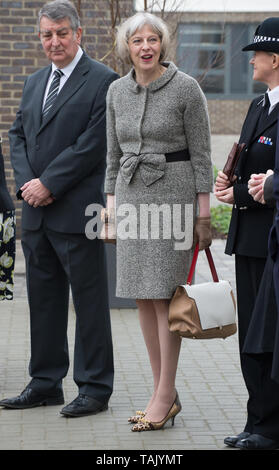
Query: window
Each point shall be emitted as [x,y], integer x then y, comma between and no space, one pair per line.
[212,53]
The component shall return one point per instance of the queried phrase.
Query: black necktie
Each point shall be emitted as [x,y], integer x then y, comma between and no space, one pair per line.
[264,112]
[52,92]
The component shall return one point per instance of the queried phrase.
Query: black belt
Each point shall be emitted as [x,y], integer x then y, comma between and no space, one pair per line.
[180,156]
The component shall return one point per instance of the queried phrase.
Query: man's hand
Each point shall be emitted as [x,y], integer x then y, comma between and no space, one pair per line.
[47,201]
[35,193]
[256,185]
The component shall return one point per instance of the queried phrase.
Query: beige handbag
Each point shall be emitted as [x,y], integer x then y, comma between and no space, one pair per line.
[203,311]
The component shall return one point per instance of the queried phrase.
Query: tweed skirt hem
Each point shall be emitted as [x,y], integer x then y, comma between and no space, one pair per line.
[148,296]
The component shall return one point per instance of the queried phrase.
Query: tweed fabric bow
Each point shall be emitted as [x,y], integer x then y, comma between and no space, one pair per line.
[151,167]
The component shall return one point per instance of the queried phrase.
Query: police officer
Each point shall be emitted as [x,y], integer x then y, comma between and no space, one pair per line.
[250,225]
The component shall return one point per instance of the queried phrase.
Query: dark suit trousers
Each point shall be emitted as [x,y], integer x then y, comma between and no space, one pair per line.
[263,400]
[56,262]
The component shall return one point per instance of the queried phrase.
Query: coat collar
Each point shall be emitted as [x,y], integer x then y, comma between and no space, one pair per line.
[156,84]
[74,82]
[39,92]
[251,133]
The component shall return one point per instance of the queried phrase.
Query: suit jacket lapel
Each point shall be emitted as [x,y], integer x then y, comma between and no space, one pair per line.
[39,96]
[72,85]
[250,131]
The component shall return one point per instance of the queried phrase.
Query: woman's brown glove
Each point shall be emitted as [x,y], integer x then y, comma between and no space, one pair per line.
[202,232]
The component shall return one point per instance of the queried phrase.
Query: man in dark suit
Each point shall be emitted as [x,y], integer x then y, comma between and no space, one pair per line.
[58,148]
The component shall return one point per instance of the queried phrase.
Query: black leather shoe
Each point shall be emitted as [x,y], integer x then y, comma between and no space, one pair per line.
[257,442]
[232,440]
[83,405]
[29,398]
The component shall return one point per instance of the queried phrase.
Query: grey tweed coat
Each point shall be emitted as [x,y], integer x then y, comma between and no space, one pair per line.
[143,124]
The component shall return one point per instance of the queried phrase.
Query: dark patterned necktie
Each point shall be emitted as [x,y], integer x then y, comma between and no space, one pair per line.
[52,92]
[264,112]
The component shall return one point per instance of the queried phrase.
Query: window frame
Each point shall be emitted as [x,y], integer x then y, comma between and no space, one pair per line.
[247,94]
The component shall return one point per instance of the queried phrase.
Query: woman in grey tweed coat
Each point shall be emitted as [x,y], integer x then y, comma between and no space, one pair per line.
[158,161]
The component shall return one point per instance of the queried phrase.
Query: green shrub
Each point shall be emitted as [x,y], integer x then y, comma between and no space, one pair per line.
[215,172]
[220,218]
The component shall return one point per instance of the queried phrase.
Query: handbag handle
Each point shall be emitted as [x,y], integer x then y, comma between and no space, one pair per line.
[194,262]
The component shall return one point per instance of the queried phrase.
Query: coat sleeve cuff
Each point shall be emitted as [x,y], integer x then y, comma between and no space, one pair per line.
[268,192]
[242,198]
[109,187]
[204,185]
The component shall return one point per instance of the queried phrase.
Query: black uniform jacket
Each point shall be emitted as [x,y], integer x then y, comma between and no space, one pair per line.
[263,332]
[252,221]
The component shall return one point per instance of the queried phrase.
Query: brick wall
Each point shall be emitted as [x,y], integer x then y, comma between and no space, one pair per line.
[227,116]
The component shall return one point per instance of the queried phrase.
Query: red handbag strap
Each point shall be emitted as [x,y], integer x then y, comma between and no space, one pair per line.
[194,262]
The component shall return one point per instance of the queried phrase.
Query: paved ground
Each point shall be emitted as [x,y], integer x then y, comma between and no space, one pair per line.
[209,381]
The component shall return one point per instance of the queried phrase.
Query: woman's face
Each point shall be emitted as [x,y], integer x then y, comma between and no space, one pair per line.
[145,49]
[262,62]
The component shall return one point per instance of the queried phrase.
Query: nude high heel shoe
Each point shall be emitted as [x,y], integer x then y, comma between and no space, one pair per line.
[135,418]
[146,425]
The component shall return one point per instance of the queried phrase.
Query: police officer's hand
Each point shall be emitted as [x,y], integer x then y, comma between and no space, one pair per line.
[256,185]
[226,195]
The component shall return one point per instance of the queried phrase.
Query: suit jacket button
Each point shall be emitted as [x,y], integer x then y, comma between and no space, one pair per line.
[37,147]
